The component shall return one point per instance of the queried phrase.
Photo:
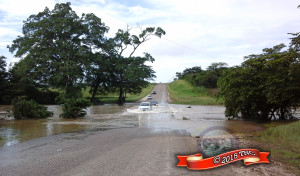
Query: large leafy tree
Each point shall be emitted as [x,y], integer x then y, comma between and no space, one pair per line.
[98,76]
[124,74]
[131,73]
[265,86]
[56,47]
[62,50]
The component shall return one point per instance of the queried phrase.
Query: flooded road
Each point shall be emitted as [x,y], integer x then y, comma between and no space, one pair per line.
[121,140]
[164,117]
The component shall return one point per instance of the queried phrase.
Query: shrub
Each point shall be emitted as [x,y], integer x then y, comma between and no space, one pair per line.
[23,108]
[74,108]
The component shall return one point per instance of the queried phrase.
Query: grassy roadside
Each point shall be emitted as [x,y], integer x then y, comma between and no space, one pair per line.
[284,142]
[182,92]
[113,97]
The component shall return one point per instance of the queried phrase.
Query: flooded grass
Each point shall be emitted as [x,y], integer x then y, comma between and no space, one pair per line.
[182,92]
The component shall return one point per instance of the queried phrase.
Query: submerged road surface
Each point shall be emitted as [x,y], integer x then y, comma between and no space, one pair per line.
[141,143]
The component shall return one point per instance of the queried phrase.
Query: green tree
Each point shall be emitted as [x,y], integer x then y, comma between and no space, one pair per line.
[212,74]
[98,76]
[207,78]
[3,78]
[265,86]
[57,48]
[130,74]
[189,71]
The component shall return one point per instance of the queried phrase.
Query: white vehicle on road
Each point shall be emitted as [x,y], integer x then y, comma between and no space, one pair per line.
[145,106]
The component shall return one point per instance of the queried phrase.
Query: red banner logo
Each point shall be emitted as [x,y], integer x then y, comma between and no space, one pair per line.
[196,162]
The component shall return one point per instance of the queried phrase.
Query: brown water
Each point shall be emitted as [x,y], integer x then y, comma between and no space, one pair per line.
[162,118]
[16,131]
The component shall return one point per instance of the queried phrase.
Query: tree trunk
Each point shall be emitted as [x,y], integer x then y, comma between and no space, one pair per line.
[94,91]
[121,99]
[282,113]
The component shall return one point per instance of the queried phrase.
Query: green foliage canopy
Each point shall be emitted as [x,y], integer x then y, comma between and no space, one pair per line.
[124,74]
[59,49]
[266,86]
[207,78]
[56,46]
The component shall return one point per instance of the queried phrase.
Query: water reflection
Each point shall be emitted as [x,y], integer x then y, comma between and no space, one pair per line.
[9,135]
[16,131]
[49,128]
[148,120]
[160,119]
[107,109]
[139,117]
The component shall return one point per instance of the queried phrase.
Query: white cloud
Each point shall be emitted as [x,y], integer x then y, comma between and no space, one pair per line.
[28,7]
[198,32]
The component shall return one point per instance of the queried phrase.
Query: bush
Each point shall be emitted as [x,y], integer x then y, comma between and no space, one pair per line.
[23,108]
[73,107]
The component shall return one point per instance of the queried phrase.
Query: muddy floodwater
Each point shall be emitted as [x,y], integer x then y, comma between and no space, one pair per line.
[165,117]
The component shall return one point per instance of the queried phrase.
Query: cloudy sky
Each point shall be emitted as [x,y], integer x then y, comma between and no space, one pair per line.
[199,32]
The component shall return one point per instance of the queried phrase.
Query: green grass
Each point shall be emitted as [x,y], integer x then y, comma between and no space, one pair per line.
[113,97]
[285,142]
[182,92]
[287,135]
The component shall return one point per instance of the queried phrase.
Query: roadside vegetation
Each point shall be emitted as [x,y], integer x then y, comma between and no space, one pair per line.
[183,92]
[23,108]
[265,86]
[197,86]
[284,142]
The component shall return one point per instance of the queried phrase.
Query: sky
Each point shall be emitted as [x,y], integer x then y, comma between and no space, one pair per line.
[198,32]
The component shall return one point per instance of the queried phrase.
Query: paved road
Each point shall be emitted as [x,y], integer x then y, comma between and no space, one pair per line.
[161,94]
[124,151]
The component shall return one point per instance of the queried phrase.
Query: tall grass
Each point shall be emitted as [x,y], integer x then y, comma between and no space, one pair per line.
[287,135]
[285,140]
[183,92]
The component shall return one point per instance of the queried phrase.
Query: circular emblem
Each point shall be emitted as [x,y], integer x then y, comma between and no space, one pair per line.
[214,145]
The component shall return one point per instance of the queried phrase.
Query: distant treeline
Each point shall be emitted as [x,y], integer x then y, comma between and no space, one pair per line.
[265,86]
[207,78]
